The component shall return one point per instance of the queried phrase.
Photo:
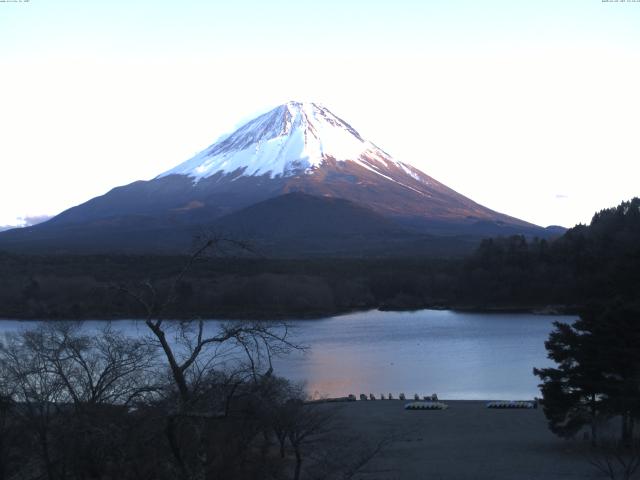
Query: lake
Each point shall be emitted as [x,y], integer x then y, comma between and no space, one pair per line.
[456,355]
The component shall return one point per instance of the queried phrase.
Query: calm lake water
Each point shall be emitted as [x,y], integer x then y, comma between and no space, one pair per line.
[456,355]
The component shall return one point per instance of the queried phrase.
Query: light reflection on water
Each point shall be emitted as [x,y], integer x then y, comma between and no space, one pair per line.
[456,355]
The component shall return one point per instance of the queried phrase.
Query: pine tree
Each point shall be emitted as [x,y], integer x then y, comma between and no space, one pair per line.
[598,371]
[574,391]
[617,329]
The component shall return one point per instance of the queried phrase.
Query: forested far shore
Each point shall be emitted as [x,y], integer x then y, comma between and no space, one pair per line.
[92,286]
[587,264]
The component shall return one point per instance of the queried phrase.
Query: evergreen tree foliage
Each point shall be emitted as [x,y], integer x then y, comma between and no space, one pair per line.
[598,371]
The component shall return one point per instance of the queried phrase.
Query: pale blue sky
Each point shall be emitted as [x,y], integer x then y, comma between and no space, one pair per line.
[157,29]
[529,107]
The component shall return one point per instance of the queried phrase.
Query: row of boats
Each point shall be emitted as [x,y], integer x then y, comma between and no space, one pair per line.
[432,405]
[431,402]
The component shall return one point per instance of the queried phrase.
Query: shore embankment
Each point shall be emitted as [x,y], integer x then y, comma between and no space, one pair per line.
[464,442]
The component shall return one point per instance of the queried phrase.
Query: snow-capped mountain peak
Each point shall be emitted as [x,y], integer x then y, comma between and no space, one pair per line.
[298,177]
[292,139]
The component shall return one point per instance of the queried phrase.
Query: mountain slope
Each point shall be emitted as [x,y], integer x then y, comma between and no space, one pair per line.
[304,147]
[296,147]
[297,224]
[297,214]
[290,225]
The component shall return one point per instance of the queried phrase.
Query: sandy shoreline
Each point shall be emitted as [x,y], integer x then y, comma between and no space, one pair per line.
[466,441]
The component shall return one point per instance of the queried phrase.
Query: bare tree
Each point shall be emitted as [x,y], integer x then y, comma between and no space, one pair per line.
[66,384]
[105,367]
[8,428]
[38,393]
[244,350]
[345,457]
[617,460]
[191,400]
[194,350]
[306,425]
[321,450]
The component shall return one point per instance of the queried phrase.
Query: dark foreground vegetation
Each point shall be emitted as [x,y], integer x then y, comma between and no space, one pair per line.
[587,263]
[596,380]
[172,405]
[598,371]
[596,384]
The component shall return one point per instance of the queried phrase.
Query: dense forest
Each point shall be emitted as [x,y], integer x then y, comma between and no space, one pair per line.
[92,286]
[587,263]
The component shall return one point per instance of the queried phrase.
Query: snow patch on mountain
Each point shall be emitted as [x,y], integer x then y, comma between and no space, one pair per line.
[292,139]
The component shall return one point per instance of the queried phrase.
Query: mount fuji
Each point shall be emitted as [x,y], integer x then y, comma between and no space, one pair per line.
[297,180]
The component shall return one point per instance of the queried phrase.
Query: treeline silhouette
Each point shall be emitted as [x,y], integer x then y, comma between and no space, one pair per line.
[588,262]
[77,287]
[594,382]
